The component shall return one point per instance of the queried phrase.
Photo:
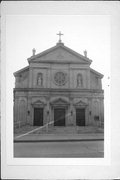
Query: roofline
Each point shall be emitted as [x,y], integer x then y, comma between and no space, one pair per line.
[21,70]
[76,53]
[40,54]
[59,45]
[96,72]
[59,62]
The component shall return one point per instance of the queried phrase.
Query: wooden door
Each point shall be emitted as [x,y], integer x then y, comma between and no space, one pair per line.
[59,117]
[80,117]
[38,116]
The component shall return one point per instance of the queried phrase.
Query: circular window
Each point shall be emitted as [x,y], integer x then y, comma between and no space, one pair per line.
[60,78]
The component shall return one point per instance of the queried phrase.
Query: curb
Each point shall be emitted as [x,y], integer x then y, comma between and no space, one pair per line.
[56,140]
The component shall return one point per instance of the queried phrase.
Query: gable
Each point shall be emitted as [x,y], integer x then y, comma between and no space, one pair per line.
[59,54]
[21,71]
[22,77]
[95,73]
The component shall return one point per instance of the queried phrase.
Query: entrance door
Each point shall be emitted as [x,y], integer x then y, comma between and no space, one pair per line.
[38,116]
[59,117]
[80,117]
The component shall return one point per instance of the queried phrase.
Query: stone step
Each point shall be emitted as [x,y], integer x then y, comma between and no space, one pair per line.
[59,130]
[69,130]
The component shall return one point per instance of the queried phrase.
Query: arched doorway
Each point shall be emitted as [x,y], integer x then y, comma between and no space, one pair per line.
[38,116]
[38,113]
[59,116]
[80,116]
[60,111]
[80,113]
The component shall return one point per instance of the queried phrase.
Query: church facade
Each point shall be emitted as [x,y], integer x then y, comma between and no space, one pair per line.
[59,88]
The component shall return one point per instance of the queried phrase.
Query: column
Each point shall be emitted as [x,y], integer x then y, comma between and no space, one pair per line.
[16,112]
[70,114]
[29,112]
[102,111]
[88,79]
[74,115]
[87,115]
[68,117]
[30,77]
[48,114]
[90,111]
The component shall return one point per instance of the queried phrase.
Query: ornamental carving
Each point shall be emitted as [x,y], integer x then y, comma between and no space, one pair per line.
[60,78]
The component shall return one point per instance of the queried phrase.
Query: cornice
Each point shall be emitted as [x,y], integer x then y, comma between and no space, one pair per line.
[58,90]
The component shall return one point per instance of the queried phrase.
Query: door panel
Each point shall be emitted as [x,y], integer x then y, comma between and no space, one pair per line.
[59,117]
[80,117]
[38,116]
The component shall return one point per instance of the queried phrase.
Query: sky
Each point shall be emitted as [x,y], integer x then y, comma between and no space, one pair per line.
[81,32]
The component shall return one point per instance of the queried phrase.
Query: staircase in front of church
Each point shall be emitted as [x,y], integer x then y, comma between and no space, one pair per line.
[62,130]
[58,130]
[70,130]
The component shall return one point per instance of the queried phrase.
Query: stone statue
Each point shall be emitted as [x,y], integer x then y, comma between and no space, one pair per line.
[79,80]
[40,79]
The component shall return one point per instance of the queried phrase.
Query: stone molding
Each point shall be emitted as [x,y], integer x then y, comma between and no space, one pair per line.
[80,103]
[57,89]
[59,102]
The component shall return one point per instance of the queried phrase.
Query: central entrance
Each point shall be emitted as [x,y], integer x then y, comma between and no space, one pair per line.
[59,117]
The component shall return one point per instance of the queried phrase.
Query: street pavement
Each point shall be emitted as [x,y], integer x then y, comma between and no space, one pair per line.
[81,149]
[85,142]
[58,137]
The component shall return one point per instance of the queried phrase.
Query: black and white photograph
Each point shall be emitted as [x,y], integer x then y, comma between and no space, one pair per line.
[58,96]
[57,90]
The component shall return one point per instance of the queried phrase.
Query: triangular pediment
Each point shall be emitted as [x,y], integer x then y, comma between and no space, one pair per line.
[80,103]
[96,73]
[38,102]
[21,71]
[59,102]
[59,54]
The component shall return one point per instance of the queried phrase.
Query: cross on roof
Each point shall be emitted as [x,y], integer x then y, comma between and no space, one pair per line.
[59,34]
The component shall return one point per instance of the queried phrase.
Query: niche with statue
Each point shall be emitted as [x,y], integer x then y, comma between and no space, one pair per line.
[40,79]
[79,80]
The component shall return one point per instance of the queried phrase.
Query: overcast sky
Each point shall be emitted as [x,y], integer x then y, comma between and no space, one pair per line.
[25,32]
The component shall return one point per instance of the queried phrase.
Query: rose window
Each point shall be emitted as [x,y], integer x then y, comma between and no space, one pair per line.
[60,78]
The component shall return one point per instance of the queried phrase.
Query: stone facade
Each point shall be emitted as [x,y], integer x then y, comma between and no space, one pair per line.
[58,85]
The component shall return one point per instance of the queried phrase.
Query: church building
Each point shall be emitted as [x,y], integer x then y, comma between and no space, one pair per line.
[59,88]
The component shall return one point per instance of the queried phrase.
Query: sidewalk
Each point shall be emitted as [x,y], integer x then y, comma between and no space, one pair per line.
[59,137]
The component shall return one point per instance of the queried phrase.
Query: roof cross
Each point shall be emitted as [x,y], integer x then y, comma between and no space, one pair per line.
[59,34]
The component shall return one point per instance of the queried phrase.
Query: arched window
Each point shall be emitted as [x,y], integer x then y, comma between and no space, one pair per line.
[79,80]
